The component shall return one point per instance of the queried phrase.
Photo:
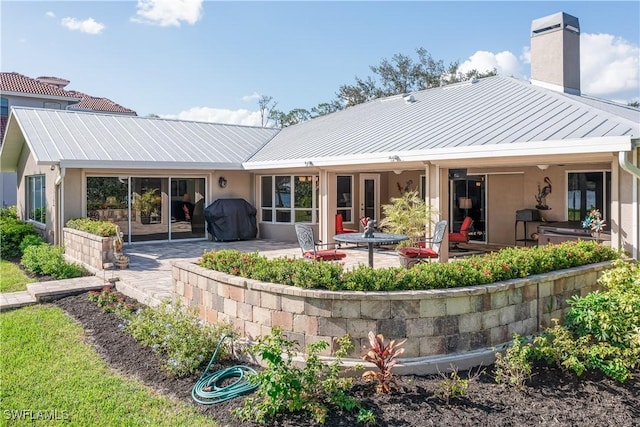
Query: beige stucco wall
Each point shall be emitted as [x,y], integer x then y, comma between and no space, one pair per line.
[28,166]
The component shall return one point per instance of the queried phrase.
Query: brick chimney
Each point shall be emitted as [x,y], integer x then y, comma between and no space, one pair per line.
[555,53]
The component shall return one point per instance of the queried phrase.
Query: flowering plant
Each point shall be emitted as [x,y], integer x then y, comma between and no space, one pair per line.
[594,221]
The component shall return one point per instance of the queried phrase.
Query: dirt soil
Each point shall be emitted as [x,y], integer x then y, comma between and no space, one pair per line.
[551,398]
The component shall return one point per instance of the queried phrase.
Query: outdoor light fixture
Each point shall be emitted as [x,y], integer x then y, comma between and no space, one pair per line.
[543,167]
[308,163]
[222,182]
[394,158]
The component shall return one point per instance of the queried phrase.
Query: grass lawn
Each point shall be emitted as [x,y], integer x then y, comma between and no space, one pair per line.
[48,373]
[12,278]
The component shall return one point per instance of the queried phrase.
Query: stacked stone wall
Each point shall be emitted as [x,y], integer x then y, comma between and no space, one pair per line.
[435,322]
[89,249]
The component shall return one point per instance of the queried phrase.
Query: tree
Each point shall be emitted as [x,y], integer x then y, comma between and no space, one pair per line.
[266,105]
[403,74]
[325,108]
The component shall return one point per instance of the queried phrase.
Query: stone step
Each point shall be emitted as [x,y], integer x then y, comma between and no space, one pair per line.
[11,300]
[56,289]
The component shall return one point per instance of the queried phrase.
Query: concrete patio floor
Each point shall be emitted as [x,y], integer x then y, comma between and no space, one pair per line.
[148,278]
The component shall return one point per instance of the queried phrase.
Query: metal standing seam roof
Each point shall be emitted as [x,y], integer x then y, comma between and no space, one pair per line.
[493,111]
[84,139]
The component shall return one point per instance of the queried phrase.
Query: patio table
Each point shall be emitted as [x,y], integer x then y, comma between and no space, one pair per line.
[375,238]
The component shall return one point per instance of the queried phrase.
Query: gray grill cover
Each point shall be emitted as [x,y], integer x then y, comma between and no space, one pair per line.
[231,219]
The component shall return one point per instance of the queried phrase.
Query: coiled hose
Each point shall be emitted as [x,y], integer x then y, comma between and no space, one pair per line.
[207,391]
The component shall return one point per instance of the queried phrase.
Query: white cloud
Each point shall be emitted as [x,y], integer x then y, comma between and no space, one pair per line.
[218,115]
[50,14]
[609,67]
[167,13]
[88,26]
[253,97]
[506,63]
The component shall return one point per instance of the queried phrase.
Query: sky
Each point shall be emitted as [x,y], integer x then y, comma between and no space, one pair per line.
[212,60]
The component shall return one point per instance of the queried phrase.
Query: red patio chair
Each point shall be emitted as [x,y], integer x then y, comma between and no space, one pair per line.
[461,236]
[310,247]
[423,252]
[340,227]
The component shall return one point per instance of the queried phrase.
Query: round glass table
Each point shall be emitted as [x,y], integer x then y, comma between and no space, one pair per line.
[376,238]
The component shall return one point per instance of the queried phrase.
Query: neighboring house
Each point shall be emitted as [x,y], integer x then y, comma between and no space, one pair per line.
[42,92]
[484,148]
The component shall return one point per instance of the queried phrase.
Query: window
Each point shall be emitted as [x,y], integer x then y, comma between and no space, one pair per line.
[586,191]
[4,107]
[53,105]
[36,201]
[289,198]
[344,193]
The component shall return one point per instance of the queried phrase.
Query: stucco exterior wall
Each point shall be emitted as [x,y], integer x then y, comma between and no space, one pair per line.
[27,167]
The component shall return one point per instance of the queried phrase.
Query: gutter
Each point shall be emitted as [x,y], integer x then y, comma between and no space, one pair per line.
[60,182]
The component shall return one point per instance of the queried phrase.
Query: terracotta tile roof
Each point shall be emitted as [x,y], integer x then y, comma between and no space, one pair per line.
[15,82]
[93,103]
[53,86]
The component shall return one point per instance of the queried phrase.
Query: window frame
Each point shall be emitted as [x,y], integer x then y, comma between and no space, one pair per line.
[606,194]
[31,196]
[348,208]
[271,212]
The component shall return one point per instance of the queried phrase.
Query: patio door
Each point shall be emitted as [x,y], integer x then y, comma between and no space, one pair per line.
[149,220]
[468,198]
[370,196]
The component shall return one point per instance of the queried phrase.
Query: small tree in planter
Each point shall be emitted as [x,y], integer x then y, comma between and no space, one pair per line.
[408,215]
[145,204]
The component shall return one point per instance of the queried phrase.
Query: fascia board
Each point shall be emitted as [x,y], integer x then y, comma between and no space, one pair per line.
[533,148]
[116,164]
[41,96]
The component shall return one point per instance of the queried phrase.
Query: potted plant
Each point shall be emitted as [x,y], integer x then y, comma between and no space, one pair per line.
[145,204]
[408,215]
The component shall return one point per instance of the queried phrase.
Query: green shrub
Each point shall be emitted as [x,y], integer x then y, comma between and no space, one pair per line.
[178,335]
[31,240]
[98,228]
[510,263]
[286,271]
[600,330]
[110,301]
[284,387]
[513,367]
[10,212]
[46,260]
[12,232]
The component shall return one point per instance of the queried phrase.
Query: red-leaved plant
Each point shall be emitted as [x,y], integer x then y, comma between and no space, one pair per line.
[384,357]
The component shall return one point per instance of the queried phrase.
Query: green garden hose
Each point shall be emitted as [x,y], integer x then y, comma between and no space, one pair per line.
[207,391]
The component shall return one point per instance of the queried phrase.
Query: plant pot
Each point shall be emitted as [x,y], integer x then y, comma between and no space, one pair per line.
[145,219]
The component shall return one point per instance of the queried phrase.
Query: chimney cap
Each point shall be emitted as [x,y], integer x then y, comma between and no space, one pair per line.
[557,21]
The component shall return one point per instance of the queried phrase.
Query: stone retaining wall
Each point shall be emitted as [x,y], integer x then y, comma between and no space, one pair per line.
[92,250]
[435,322]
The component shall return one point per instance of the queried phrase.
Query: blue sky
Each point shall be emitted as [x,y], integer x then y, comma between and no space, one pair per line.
[210,60]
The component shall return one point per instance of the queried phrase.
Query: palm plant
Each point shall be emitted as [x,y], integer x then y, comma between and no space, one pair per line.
[408,215]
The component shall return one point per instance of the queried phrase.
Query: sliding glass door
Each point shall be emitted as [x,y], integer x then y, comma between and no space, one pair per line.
[149,208]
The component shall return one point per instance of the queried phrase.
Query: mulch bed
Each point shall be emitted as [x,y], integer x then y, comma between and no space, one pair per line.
[551,398]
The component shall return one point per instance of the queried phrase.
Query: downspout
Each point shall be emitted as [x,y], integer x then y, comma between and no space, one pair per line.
[60,182]
[631,168]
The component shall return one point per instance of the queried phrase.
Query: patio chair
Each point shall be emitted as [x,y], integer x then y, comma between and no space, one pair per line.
[340,226]
[311,248]
[461,236]
[422,252]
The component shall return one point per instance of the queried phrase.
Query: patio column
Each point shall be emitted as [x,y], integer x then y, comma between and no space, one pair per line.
[325,226]
[436,191]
